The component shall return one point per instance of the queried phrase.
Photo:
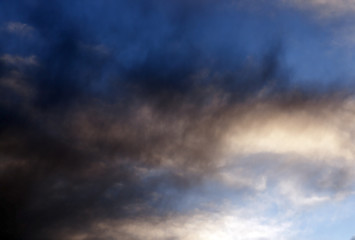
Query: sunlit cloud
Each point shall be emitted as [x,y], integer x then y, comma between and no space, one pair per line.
[211,226]
[173,120]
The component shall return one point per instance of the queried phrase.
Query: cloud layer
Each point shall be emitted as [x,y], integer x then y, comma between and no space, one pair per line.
[133,126]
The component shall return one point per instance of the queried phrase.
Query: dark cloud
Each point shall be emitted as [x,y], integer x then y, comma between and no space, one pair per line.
[127,110]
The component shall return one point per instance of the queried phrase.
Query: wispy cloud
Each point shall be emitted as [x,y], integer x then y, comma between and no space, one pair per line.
[18,60]
[19,28]
[325,8]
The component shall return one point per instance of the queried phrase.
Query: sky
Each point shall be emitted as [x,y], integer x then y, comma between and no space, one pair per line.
[177,120]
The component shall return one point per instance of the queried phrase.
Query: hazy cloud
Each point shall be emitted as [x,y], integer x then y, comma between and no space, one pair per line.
[324,8]
[19,28]
[18,60]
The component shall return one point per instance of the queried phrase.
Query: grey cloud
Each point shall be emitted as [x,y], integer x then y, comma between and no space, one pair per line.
[90,136]
[18,60]
[19,28]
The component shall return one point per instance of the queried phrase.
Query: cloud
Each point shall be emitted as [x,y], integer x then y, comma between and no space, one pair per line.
[327,7]
[142,159]
[200,225]
[323,8]
[18,60]
[317,131]
[19,28]
[130,126]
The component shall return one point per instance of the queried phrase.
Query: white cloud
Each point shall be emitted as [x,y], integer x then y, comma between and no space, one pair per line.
[293,193]
[227,225]
[320,133]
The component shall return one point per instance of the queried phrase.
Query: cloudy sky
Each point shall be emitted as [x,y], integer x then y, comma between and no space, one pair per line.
[177,119]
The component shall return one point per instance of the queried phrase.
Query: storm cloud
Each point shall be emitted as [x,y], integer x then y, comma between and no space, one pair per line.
[153,120]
